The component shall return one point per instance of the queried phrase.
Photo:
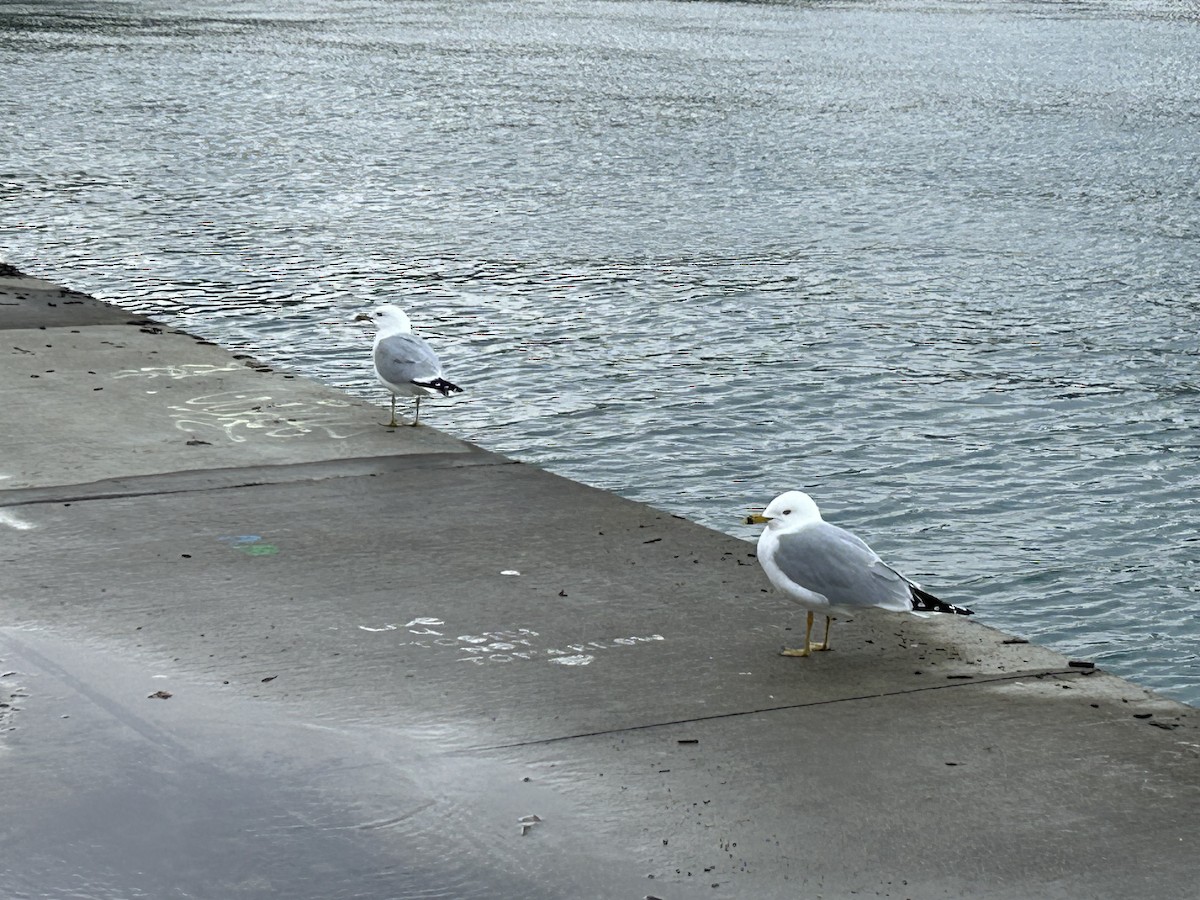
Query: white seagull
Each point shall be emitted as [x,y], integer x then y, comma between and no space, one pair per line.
[405,363]
[827,569]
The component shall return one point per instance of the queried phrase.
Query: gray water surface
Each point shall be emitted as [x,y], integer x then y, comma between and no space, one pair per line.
[934,262]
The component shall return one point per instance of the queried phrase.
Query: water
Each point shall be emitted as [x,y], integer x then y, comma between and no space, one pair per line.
[935,262]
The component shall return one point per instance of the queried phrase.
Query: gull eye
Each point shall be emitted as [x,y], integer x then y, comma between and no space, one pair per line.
[787,512]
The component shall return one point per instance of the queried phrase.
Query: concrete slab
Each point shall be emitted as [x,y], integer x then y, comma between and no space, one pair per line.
[984,791]
[608,596]
[104,401]
[629,671]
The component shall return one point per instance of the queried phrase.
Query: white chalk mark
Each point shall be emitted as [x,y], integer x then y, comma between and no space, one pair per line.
[187,370]
[232,411]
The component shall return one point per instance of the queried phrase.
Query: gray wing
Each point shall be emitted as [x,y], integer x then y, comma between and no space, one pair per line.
[403,358]
[834,562]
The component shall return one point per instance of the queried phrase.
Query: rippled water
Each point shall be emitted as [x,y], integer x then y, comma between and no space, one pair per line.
[935,262]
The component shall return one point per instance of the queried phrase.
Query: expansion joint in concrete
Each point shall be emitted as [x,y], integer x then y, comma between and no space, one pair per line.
[188,481]
[957,683]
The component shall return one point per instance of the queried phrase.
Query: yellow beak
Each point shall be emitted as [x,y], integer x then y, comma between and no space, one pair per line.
[362,317]
[756,519]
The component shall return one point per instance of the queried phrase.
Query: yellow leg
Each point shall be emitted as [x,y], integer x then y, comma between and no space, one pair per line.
[789,651]
[824,645]
[393,423]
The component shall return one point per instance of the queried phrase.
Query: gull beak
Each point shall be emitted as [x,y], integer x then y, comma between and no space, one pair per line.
[756,519]
[362,317]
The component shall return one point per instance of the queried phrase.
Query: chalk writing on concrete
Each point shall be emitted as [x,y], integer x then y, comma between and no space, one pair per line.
[238,415]
[504,646]
[175,373]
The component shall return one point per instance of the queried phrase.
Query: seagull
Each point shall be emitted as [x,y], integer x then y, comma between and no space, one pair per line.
[827,569]
[405,363]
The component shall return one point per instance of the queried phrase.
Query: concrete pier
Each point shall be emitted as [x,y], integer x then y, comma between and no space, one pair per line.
[253,645]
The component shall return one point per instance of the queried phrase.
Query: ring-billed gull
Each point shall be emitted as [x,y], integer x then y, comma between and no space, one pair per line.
[827,569]
[405,363]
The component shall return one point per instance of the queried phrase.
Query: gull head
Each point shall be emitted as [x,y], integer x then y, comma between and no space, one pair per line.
[794,509]
[389,319]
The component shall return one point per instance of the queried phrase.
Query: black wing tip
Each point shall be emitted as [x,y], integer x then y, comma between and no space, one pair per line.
[923,601]
[441,385]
